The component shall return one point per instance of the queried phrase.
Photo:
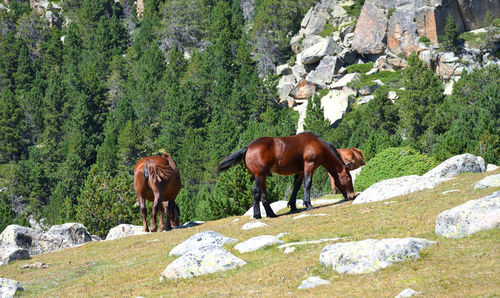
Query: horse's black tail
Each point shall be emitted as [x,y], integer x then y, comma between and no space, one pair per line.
[232,159]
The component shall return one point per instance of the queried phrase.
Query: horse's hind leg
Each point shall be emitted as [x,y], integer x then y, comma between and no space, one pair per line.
[142,207]
[156,209]
[265,203]
[256,190]
[307,191]
[297,181]
[167,210]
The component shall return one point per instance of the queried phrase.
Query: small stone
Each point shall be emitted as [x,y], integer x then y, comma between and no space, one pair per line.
[256,243]
[206,238]
[312,282]
[289,249]
[253,225]
[307,215]
[407,293]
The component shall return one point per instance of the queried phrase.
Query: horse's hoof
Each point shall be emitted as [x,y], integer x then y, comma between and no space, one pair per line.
[257,216]
[272,215]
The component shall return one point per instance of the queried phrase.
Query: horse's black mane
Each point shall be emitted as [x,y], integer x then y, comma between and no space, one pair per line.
[329,145]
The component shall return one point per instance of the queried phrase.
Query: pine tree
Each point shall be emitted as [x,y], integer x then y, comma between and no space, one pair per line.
[315,120]
[11,127]
[418,103]
[449,41]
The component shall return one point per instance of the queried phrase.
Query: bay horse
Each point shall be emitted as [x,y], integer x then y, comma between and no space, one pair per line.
[353,159]
[157,179]
[299,154]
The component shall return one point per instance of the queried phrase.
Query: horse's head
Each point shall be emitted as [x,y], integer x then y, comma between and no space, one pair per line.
[346,186]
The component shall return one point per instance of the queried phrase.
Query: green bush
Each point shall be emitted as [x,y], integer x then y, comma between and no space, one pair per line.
[424,40]
[391,163]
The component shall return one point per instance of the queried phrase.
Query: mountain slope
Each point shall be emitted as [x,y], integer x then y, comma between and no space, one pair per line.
[132,266]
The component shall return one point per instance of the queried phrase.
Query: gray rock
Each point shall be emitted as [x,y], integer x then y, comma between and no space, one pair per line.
[253,225]
[491,167]
[205,238]
[256,243]
[348,56]
[201,261]
[407,293]
[283,69]
[365,99]
[345,80]
[289,250]
[299,72]
[490,181]
[371,255]
[124,230]
[334,105]
[60,237]
[9,287]
[456,165]
[285,85]
[310,40]
[367,90]
[470,217]
[11,252]
[394,187]
[323,74]
[326,47]
[312,282]
[19,236]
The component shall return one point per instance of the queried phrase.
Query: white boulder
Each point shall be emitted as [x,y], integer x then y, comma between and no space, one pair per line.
[124,230]
[491,167]
[490,181]
[256,243]
[394,187]
[371,255]
[407,293]
[456,165]
[312,282]
[11,252]
[201,261]
[470,217]
[205,238]
[253,225]
[334,105]
[9,287]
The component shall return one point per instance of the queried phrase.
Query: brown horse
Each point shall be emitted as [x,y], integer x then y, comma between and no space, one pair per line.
[157,179]
[301,155]
[353,159]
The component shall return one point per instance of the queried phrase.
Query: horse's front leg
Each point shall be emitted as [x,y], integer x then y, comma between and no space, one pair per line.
[297,181]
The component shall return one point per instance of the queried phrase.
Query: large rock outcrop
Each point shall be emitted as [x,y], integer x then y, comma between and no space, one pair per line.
[397,24]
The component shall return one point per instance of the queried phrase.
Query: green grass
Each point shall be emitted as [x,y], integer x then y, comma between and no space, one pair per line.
[329,29]
[361,67]
[392,79]
[474,40]
[132,266]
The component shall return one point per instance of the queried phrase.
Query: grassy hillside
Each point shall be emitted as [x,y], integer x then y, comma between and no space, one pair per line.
[132,266]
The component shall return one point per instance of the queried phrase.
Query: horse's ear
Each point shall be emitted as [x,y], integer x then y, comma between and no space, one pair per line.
[165,155]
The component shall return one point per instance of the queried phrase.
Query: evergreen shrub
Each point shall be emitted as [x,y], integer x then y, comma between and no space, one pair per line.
[391,163]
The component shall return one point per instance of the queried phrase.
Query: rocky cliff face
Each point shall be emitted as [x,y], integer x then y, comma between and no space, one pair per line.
[397,24]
